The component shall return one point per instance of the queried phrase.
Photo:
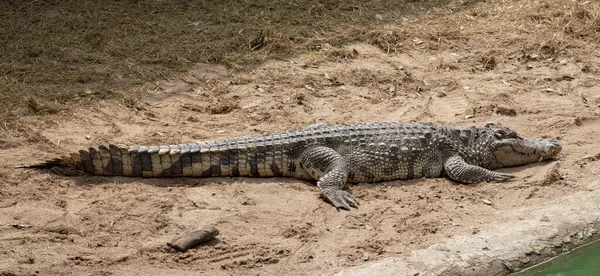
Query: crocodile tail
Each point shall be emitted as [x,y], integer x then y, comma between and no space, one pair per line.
[54,163]
[89,161]
[138,161]
[65,165]
[220,158]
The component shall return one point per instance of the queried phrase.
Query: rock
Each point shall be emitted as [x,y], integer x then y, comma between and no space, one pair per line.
[378,17]
[188,240]
[487,202]
[505,110]
[193,119]
[551,90]
[585,69]
[20,225]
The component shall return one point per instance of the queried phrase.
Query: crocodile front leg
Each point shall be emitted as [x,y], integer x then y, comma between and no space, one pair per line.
[458,170]
[330,170]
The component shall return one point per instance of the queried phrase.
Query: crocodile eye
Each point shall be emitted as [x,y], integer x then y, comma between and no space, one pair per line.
[505,133]
[500,133]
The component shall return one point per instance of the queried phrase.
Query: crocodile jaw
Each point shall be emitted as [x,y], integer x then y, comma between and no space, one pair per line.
[521,151]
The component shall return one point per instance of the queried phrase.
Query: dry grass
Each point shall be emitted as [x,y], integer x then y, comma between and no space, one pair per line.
[56,54]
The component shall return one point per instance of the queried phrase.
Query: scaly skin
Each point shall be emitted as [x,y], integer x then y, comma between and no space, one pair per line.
[332,155]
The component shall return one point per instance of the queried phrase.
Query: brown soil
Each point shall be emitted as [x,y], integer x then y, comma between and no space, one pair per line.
[529,65]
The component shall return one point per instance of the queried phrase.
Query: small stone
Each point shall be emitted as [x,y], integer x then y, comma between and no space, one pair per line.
[440,94]
[563,62]
[544,218]
[365,257]
[487,202]
[20,225]
[466,87]
[505,110]
[417,41]
[87,137]
[552,90]
[475,230]
[308,87]
[529,66]
[378,17]
[469,116]
[585,69]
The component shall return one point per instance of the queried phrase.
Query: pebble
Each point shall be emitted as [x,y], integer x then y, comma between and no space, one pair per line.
[487,202]
[20,225]
[505,110]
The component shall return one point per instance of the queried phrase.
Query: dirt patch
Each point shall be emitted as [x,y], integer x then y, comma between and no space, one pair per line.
[62,54]
[517,65]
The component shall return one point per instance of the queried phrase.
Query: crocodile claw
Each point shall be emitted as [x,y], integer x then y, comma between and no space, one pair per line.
[342,200]
[501,177]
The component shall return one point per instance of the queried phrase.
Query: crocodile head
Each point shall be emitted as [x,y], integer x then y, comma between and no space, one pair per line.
[509,149]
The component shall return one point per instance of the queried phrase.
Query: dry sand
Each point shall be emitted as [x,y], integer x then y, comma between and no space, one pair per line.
[58,225]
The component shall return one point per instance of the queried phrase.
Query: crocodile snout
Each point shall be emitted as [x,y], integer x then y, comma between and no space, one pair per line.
[551,148]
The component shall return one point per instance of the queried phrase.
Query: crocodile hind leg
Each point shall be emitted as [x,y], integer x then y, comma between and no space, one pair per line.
[330,170]
[458,170]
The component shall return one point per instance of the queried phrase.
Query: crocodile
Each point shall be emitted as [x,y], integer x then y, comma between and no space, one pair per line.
[330,154]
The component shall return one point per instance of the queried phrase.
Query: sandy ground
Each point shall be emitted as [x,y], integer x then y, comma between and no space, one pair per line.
[52,224]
